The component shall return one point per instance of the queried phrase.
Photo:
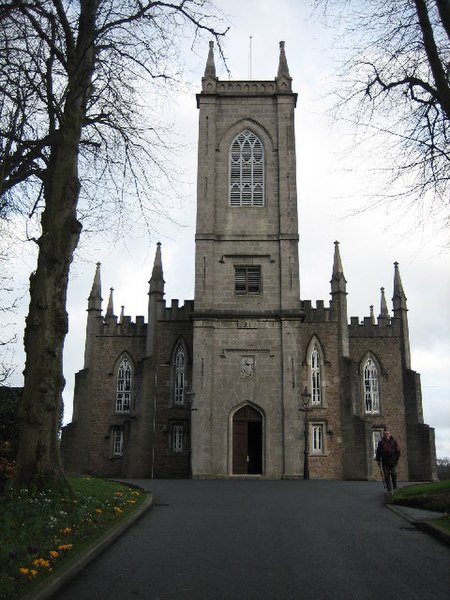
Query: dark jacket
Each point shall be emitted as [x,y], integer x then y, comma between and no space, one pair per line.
[388,451]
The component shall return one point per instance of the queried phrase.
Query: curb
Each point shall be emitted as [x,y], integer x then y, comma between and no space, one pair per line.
[426,526]
[55,582]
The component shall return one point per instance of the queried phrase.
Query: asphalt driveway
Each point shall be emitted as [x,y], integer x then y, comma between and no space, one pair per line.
[267,540]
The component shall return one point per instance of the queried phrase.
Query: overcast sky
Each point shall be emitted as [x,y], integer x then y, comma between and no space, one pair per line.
[332,187]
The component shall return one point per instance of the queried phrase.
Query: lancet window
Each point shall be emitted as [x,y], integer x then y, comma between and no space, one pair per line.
[124,383]
[317,438]
[246,170]
[316,393]
[117,441]
[180,376]
[178,437]
[371,387]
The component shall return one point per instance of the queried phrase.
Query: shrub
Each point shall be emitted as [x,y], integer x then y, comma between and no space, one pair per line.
[443,468]
[9,433]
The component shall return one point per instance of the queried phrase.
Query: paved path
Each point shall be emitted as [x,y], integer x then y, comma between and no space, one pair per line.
[267,540]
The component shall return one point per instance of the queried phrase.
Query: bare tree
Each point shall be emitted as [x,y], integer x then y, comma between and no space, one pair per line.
[8,307]
[395,81]
[71,122]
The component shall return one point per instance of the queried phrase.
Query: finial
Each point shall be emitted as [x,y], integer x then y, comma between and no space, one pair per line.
[210,69]
[372,316]
[122,312]
[283,69]
[95,299]
[399,298]
[384,313]
[110,308]
[157,279]
[338,282]
[337,264]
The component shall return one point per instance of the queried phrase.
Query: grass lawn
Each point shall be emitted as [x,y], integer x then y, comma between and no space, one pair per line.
[428,496]
[43,532]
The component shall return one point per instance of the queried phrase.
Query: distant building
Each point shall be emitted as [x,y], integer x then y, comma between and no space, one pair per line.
[215,388]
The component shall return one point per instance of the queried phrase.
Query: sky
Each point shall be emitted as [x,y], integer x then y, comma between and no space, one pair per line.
[335,175]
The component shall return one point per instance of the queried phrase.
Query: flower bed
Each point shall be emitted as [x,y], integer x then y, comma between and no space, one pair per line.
[40,532]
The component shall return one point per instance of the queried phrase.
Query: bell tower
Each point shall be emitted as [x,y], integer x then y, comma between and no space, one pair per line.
[246,363]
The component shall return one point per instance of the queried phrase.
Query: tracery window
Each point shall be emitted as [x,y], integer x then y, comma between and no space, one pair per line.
[179,376]
[371,387]
[246,170]
[316,395]
[124,382]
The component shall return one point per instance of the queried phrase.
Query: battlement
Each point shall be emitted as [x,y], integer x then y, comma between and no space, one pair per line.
[174,312]
[319,314]
[365,327]
[113,326]
[368,327]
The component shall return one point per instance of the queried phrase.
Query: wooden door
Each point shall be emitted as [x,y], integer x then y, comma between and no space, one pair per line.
[247,441]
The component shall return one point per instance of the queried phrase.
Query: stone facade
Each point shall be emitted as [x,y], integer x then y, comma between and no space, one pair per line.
[247,379]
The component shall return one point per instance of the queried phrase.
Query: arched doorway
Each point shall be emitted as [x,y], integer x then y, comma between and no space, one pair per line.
[247,441]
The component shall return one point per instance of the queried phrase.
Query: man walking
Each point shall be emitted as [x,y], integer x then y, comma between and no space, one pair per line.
[388,452]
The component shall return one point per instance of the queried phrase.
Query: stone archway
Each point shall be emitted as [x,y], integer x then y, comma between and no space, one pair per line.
[247,441]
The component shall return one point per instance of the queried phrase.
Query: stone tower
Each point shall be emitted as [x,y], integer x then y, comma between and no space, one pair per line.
[247,351]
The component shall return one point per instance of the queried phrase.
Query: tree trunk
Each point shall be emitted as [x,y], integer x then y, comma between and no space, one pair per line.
[38,461]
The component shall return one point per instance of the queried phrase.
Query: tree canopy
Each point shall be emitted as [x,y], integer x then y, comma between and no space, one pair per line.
[396,81]
[71,124]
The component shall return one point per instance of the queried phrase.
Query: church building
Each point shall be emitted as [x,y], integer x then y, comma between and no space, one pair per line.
[247,379]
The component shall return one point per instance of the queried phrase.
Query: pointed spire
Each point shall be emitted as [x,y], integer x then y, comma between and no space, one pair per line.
[94,318]
[155,301]
[339,301]
[157,279]
[338,282]
[210,69]
[283,69]
[110,308]
[384,313]
[95,297]
[401,313]
[399,298]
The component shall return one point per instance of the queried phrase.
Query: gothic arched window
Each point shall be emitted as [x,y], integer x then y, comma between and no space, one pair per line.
[316,393]
[179,376]
[371,387]
[124,381]
[246,170]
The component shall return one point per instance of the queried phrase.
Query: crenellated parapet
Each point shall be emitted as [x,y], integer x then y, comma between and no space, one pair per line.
[112,326]
[174,312]
[384,327]
[318,314]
